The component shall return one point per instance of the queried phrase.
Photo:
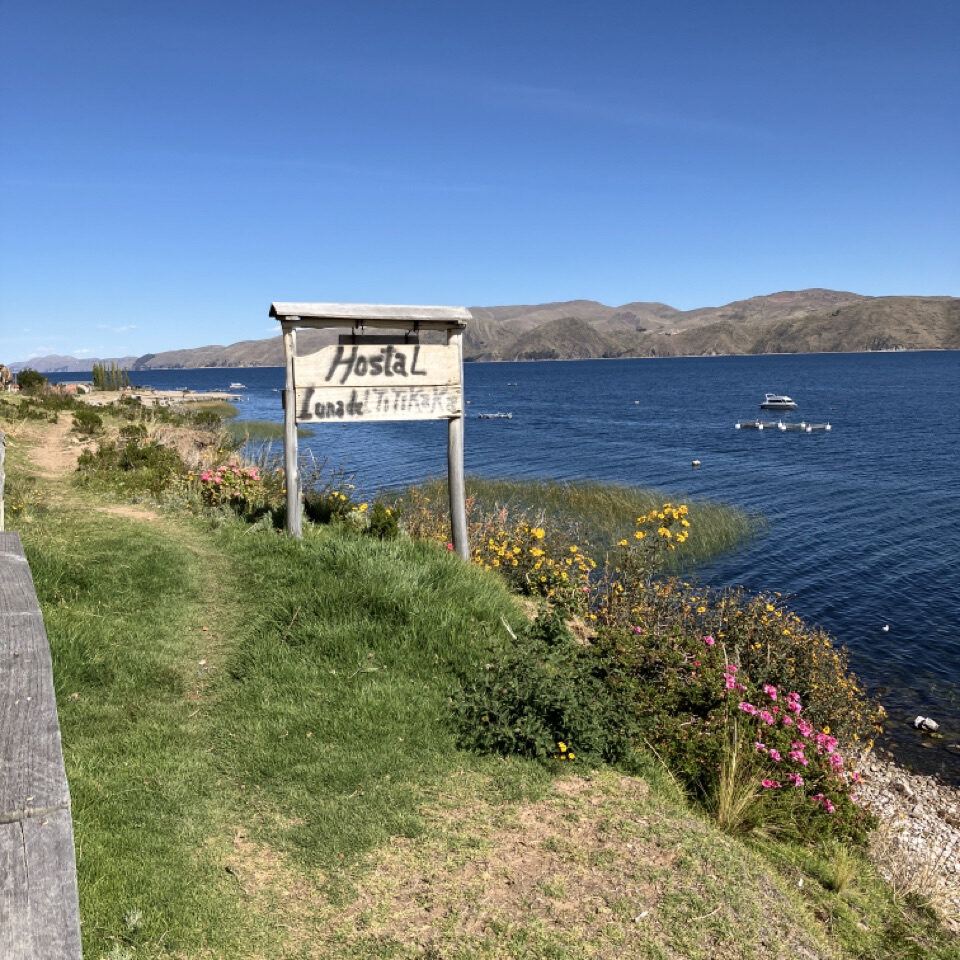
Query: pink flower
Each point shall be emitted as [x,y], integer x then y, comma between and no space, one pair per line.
[775,755]
[449,546]
[728,682]
[793,702]
[795,779]
[747,707]
[771,784]
[637,630]
[804,728]
[696,663]
[731,668]
[825,743]
[824,802]
[709,641]
[787,721]
[760,747]
[836,761]
[766,717]
[797,757]
[770,691]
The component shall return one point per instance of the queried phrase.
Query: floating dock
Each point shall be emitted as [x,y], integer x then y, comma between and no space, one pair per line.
[801,427]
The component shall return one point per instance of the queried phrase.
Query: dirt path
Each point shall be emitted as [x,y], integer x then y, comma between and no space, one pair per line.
[53,450]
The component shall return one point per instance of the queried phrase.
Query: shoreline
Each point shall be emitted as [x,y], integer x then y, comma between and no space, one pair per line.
[917,845]
[679,356]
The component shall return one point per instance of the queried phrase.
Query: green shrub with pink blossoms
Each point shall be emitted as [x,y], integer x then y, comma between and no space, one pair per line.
[243,489]
[688,699]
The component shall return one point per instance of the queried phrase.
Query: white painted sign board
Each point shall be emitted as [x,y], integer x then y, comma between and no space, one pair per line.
[362,383]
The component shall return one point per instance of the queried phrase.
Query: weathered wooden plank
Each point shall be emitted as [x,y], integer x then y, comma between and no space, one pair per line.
[32,778]
[39,910]
[372,314]
[39,914]
[390,365]
[16,584]
[3,475]
[374,404]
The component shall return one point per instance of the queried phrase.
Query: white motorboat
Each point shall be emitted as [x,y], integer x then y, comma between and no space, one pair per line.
[238,386]
[774,401]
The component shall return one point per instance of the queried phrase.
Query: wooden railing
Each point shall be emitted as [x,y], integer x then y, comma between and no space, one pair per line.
[39,914]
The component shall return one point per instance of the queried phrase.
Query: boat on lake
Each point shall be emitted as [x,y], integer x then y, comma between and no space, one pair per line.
[238,386]
[776,401]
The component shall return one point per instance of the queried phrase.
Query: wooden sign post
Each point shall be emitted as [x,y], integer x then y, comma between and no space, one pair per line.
[372,377]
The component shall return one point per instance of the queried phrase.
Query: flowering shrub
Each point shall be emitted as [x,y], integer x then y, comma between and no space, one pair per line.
[626,577]
[241,488]
[772,644]
[384,521]
[696,706]
[329,504]
[521,553]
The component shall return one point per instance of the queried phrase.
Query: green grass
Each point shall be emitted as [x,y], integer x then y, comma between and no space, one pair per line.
[597,515]
[247,431]
[341,679]
[220,408]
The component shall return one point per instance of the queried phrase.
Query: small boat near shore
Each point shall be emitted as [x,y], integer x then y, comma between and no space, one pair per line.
[776,401]
[238,386]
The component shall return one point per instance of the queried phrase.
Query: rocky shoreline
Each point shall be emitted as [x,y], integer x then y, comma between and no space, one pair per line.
[917,845]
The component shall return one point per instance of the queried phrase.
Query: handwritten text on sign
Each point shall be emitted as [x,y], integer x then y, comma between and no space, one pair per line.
[365,382]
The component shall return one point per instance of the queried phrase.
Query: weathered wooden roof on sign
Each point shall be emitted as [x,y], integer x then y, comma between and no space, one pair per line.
[371,315]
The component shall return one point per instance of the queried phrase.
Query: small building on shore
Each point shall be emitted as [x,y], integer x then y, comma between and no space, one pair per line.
[73,388]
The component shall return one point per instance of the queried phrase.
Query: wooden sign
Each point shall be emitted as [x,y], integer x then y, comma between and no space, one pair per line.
[368,377]
[367,382]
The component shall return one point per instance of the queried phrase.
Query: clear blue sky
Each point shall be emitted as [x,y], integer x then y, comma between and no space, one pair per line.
[168,169]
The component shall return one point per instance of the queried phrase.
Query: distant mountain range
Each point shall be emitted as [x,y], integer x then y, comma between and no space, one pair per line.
[805,321]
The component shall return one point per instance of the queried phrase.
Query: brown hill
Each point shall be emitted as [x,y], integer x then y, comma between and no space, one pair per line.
[792,321]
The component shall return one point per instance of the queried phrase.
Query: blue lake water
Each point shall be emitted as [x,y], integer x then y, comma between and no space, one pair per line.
[864,521]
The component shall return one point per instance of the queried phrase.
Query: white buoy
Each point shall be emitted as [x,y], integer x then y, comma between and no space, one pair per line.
[886,628]
[696,463]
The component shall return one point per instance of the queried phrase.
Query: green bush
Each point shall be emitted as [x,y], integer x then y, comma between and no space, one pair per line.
[30,381]
[384,521]
[542,696]
[131,467]
[207,420]
[87,422]
[244,489]
[705,712]
[133,431]
[327,506]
